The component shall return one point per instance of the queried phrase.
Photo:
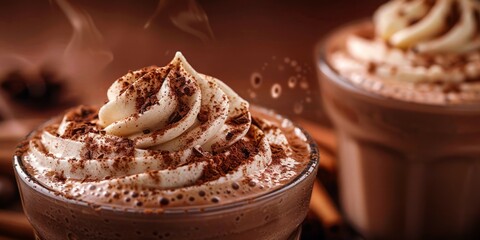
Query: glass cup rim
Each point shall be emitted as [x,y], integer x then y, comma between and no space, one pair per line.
[200,210]
[325,67]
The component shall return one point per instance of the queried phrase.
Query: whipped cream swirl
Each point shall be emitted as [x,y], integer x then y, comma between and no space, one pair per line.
[419,41]
[163,128]
[174,108]
[444,26]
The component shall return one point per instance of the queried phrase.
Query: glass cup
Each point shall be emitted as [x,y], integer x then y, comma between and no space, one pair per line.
[407,170]
[276,214]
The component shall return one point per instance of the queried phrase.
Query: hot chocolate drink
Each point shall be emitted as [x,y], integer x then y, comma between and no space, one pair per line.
[404,94]
[172,154]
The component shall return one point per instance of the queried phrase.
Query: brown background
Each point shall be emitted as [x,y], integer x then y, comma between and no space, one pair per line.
[247,34]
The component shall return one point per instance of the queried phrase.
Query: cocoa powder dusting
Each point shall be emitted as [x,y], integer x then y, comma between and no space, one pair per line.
[22,147]
[59,176]
[147,96]
[81,122]
[126,83]
[221,164]
[168,160]
[278,153]
[122,147]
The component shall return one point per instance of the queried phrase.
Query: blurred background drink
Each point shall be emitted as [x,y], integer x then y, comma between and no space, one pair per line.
[403,91]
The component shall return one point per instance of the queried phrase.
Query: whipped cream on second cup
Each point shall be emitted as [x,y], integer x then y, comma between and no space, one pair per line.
[418,43]
[445,26]
[164,131]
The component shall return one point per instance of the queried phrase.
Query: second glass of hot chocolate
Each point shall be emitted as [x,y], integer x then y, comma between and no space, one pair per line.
[404,95]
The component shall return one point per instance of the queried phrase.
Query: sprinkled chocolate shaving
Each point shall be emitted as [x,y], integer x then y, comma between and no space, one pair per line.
[202,116]
[125,84]
[198,152]
[180,112]
[150,86]
[240,119]
[81,122]
[59,176]
[122,147]
[175,117]
[179,86]
[229,136]
[188,90]
[82,114]
[261,124]
[221,164]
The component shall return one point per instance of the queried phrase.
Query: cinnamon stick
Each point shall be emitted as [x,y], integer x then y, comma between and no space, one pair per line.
[6,167]
[15,225]
[324,136]
[327,161]
[326,141]
[323,207]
